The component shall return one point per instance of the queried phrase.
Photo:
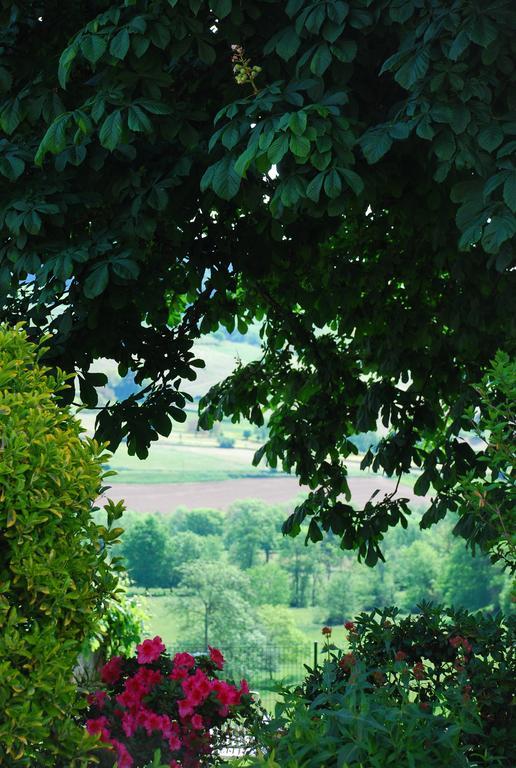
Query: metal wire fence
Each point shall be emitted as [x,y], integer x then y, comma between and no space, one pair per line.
[267,667]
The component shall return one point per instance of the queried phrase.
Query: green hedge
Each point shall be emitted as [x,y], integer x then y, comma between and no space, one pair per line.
[54,572]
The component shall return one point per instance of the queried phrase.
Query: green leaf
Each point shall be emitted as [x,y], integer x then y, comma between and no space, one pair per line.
[221,8]
[375,144]
[65,63]
[459,45]
[244,160]
[278,149]
[154,107]
[230,136]
[54,140]
[138,121]
[321,60]
[225,180]
[111,131]
[297,123]
[287,44]
[120,44]
[345,51]
[460,118]
[509,191]
[125,268]
[490,137]
[313,190]
[96,282]
[422,484]
[414,69]
[93,47]
[482,31]
[206,52]
[299,146]
[444,145]
[32,222]
[353,180]
[332,184]
[501,228]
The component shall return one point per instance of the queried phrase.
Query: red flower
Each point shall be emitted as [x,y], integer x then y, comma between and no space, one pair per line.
[124,759]
[400,656]
[197,722]
[184,660]
[216,657]
[98,725]
[111,671]
[424,705]
[150,650]
[326,631]
[419,671]
[347,661]
[97,699]
[350,626]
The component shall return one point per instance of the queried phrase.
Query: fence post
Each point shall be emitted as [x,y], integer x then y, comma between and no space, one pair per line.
[316,645]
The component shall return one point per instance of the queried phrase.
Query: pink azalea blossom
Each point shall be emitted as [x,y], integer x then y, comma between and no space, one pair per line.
[217,657]
[110,672]
[197,722]
[184,660]
[150,650]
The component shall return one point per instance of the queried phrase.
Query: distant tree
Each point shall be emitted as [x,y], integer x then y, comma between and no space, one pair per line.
[146,550]
[470,582]
[417,570]
[269,584]
[186,547]
[302,564]
[355,589]
[213,602]
[252,527]
[203,522]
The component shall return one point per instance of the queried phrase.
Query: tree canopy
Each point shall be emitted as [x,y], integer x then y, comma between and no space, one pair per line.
[343,171]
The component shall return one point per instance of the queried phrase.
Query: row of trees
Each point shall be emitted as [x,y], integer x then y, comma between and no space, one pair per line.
[173,551]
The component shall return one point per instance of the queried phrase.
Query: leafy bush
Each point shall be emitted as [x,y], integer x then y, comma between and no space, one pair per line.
[54,574]
[357,726]
[448,659]
[173,707]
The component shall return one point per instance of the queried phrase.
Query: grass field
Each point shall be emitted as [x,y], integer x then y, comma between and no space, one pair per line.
[164,619]
[169,462]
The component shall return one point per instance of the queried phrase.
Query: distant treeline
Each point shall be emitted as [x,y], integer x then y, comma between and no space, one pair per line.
[277,570]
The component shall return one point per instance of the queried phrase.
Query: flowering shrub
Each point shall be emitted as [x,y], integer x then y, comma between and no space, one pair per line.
[155,702]
[446,661]
[426,691]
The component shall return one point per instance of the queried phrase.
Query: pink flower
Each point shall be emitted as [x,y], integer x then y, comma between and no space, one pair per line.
[244,686]
[110,672]
[217,657]
[124,759]
[150,650]
[174,743]
[197,722]
[179,673]
[129,724]
[97,699]
[185,660]
[185,708]
[98,725]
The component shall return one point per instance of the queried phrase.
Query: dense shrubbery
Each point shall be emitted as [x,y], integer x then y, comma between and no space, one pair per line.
[431,689]
[54,574]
